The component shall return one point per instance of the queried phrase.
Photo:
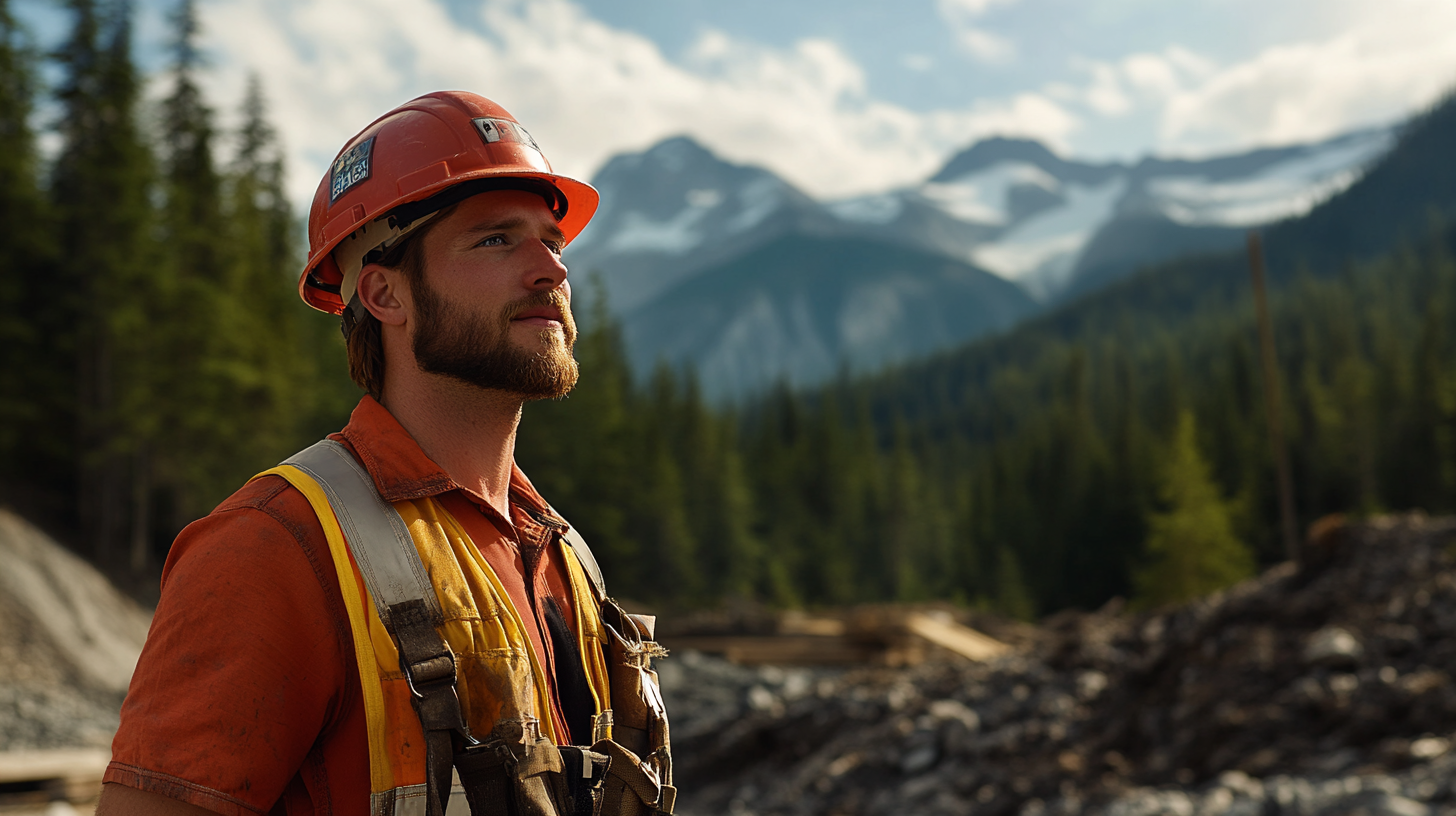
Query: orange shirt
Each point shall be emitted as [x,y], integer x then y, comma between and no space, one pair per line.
[246,699]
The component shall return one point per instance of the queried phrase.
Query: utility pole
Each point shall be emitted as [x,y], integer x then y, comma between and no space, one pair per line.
[1272,402]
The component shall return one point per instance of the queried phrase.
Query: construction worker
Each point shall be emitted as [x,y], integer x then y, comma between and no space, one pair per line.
[393,621]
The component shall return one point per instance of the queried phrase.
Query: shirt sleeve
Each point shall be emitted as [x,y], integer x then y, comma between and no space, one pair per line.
[246,661]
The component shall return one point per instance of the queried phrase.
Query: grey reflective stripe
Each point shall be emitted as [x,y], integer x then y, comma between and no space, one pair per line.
[376,535]
[409,800]
[458,804]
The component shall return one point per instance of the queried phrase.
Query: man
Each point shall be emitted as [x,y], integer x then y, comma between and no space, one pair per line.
[289,668]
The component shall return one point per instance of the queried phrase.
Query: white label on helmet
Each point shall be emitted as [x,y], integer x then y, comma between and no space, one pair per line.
[504,130]
[350,168]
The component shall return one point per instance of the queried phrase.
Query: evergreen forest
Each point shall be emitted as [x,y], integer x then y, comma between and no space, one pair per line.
[154,355]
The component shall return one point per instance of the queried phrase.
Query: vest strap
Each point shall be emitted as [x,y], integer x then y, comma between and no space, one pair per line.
[588,561]
[405,599]
[378,538]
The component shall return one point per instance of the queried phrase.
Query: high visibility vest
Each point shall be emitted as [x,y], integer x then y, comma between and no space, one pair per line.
[498,673]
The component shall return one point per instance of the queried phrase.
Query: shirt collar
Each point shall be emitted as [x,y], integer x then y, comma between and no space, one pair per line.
[400,468]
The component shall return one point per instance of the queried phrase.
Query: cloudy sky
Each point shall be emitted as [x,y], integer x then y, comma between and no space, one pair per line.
[839,96]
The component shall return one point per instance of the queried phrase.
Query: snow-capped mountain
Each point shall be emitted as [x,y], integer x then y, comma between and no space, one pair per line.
[1035,218]
[676,209]
[706,262]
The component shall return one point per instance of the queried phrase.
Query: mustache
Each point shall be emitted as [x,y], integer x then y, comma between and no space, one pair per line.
[554,298]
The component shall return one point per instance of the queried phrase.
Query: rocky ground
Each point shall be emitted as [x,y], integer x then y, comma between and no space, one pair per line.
[1320,691]
[1323,691]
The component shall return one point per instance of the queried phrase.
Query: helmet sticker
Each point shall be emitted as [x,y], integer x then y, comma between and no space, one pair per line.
[503,130]
[350,168]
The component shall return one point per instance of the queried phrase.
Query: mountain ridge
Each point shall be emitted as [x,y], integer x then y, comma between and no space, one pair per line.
[1058,228]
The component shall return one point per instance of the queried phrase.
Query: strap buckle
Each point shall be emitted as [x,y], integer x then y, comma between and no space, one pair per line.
[431,671]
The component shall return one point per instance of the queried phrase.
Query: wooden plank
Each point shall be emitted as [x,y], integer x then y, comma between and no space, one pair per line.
[81,764]
[962,640]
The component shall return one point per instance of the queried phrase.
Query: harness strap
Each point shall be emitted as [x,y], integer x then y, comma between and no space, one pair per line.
[405,599]
[588,561]
[632,787]
[377,535]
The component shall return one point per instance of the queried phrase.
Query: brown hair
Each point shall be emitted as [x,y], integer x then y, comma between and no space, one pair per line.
[366,343]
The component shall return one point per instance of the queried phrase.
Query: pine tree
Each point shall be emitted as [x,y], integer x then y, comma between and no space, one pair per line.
[1012,598]
[197,455]
[267,382]
[1191,547]
[26,258]
[581,451]
[101,193]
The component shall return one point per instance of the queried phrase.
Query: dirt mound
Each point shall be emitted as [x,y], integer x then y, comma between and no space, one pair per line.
[1322,690]
[68,643]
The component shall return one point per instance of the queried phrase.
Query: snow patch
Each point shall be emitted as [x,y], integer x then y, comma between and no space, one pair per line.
[1287,189]
[872,209]
[704,199]
[981,197]
[756,200]
[676,236]
[1041,251]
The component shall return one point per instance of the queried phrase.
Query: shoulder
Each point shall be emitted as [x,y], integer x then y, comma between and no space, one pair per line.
[249,662]
[265,541]
[263,514]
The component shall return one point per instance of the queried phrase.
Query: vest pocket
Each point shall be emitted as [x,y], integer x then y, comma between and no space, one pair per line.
[639,779]
[517,772]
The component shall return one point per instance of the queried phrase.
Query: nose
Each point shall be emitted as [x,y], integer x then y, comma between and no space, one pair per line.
[546,271]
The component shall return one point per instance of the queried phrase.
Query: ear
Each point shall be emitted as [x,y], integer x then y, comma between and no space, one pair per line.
[383,292]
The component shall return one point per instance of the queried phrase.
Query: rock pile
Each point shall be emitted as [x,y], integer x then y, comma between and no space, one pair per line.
[1323,691]
[68,644]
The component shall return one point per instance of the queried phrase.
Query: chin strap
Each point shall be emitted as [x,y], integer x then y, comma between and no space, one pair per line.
[352,316]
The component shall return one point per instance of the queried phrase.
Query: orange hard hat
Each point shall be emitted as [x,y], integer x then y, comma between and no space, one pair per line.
[416,160]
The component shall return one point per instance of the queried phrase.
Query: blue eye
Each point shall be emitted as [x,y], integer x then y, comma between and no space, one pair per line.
[494,240]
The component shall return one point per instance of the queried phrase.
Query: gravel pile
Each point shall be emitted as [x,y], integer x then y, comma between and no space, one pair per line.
[68,644]
[1325,691]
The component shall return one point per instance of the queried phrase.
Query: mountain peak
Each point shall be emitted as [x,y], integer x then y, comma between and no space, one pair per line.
[999,149]
[676,152]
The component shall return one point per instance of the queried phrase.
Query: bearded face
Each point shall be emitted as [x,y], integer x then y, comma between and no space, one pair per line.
[478,349]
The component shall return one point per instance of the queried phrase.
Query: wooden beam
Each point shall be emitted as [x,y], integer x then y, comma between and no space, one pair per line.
[962,640]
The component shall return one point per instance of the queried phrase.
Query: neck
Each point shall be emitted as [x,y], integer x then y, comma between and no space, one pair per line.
[469,432]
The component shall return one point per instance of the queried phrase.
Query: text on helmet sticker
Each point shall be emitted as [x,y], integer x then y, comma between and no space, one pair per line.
[350,168]
[503,130]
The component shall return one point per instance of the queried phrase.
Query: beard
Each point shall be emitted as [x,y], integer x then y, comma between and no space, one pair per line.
[477,349]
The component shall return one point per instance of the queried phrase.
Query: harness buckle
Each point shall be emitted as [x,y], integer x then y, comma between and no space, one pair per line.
[430,671]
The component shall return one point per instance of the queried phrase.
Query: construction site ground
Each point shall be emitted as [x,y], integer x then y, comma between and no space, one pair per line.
[1322,690]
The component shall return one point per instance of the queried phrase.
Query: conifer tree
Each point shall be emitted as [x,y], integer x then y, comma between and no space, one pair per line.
[1191,547]
[1012,597]
[25,259]
[581,451]
[260,350]
[101,193]
[197,458]
[662,519]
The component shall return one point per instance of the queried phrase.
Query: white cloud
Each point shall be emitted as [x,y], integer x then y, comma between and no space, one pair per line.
[984,45]
[1386,63]
[1135,81]
[587,90]
[961,16]
[1398,58]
